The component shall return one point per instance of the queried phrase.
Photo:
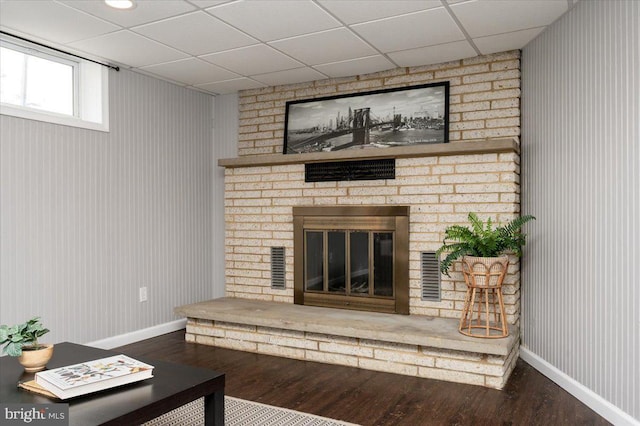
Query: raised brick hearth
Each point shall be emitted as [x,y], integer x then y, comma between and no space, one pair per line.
[412,345]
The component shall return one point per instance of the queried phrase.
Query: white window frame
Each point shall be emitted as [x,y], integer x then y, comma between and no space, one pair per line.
[90,97]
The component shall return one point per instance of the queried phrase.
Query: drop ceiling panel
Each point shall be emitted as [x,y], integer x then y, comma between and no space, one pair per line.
[433,54]
[483,18]
[191,71]
[196,33]
[419,29]
[129,48]
[357,11]
[264,59]
[145,11]
[506,41]
[356,66]
[274,20]
[51,21]
[327,46]
[299,75]
[230,86]
[207,3]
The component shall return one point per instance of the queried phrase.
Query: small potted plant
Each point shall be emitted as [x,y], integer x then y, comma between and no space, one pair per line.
[21,341]
[482,240]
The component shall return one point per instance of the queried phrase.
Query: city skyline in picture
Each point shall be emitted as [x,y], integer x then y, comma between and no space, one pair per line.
[419,102]
[386,118]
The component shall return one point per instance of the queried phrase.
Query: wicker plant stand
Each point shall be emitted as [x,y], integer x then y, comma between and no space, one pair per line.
[483,313]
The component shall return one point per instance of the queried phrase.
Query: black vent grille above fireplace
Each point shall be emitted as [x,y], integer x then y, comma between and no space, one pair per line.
[350,170]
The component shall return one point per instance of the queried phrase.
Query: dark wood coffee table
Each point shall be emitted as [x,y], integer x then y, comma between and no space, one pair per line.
[172,386]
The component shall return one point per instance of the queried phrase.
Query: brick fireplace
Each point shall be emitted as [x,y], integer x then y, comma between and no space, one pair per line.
[438,185]
[439,188]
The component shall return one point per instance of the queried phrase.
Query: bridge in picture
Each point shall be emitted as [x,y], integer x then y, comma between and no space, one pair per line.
[360,125]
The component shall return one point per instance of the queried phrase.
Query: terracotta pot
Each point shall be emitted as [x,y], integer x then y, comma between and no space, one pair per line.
[35,360]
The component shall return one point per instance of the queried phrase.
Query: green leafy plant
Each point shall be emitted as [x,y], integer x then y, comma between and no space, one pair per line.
[20,336]
[482,240]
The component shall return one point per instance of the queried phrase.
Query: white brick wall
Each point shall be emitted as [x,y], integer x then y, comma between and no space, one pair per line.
[439,190]
[484,99]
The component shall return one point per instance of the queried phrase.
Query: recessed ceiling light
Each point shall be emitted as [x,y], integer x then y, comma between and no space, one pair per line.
[120,4]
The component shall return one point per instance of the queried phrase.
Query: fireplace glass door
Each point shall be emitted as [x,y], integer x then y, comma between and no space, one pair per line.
[350,262]
[352,257]
[359,262]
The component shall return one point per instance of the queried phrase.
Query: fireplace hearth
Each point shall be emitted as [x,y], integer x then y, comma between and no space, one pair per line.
[352,257]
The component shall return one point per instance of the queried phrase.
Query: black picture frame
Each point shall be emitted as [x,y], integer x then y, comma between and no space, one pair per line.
[378,119]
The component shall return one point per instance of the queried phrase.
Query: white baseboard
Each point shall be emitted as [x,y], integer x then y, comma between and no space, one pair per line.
[138,335]
[591,399]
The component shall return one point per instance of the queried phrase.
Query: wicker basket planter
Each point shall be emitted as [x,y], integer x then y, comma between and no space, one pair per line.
[483,314]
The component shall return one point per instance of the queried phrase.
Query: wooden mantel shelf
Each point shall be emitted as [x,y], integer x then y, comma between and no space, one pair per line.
[427,150]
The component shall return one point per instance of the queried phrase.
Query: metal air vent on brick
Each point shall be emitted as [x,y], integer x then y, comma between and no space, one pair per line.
[350,170]
[278,268]
[430,273]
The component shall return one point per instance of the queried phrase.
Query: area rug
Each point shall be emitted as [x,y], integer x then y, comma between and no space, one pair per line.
[240,412]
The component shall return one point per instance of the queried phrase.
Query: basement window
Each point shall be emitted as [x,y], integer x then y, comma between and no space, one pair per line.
[41,84]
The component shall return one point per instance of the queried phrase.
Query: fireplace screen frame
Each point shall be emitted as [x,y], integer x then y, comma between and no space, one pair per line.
[394,219]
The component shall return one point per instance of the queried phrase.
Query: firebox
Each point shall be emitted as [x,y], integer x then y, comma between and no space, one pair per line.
[352,257]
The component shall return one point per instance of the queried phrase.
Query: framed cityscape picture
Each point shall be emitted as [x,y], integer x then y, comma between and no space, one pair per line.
[379,119]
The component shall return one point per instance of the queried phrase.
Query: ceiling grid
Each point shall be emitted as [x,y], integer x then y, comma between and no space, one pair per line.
[222,46]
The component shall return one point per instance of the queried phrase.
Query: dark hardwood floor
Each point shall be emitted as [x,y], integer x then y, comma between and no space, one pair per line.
[375,398]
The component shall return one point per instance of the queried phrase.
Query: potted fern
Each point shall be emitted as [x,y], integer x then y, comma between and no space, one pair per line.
[483,251]
[21,340]
[482,240]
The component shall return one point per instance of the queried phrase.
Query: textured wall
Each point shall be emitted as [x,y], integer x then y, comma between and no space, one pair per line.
[89,217]
[484,99]
[581,178]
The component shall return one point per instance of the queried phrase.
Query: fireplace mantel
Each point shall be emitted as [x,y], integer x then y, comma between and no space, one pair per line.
[427,150]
